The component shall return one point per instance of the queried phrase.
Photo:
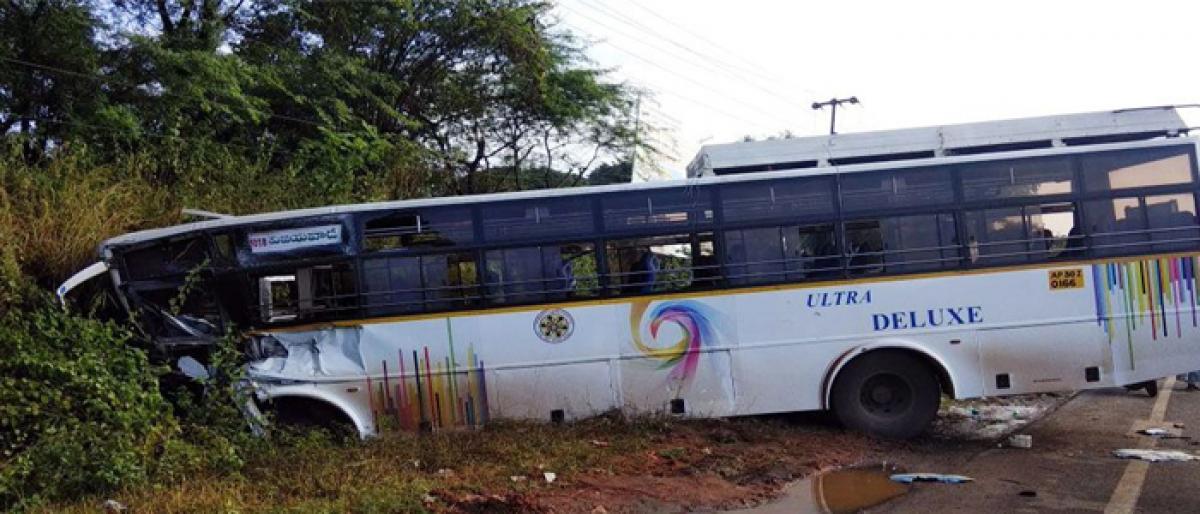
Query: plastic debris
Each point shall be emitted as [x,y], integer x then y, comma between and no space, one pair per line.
[1156,432]
[909,478]
[518,478]
[599,444]
[113,506]
[550,477]
[1154,455]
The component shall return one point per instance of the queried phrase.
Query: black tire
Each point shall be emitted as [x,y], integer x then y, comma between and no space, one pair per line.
[886,393]
[1152,388]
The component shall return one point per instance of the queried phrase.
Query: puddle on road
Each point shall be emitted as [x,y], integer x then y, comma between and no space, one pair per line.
[836,492]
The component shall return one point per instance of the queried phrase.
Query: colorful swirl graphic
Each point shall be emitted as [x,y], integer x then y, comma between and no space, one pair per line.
[696,322]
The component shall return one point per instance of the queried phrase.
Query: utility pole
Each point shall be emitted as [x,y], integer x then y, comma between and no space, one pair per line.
[637,132]
[833,103]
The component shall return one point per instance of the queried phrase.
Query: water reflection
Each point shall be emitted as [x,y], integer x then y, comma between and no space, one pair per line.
[836,492]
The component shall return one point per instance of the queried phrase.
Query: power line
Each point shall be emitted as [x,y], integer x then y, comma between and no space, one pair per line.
[707,105]
[707,41]
[705,61]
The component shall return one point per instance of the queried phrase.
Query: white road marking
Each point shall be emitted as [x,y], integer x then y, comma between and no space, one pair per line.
[1125,496]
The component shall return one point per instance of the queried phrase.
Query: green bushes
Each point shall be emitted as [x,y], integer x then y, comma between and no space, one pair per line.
[80,409]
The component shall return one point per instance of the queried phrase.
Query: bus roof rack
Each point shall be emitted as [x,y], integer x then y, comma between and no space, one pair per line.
[945,140]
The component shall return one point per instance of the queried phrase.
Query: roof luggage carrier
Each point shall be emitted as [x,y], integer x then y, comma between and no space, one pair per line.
[939,141]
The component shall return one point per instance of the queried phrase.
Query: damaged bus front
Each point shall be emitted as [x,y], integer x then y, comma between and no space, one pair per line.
[186,287]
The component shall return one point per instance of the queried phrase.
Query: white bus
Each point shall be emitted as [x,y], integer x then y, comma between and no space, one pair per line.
[869,274]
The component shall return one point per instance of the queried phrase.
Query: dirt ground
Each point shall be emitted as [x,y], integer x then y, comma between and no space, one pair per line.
[707,465]
[608,464]
[718,465]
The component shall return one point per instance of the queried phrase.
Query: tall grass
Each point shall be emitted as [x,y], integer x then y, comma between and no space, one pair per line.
[52,216]
[54,212]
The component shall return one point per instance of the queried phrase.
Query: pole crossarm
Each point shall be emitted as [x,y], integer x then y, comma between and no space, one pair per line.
[833,104]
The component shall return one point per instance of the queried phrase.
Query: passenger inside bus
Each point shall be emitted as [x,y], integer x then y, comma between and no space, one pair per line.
[643,273]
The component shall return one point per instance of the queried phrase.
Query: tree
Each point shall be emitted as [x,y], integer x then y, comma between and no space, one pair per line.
[35,100]
[614,173]
[363,100]
[479,84]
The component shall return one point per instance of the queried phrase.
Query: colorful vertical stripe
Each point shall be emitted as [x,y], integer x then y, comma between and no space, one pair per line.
[1154,295]
[430,394]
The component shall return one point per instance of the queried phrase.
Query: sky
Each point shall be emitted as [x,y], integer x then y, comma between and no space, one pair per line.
[716,71]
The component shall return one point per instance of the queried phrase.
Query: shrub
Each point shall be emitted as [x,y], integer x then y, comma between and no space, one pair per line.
[80,409]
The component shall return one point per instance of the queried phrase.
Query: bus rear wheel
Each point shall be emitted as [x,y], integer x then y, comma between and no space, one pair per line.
[886,393]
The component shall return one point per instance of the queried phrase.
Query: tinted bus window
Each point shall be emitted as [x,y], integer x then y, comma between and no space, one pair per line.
[776,254]
[178,257]
[1017,178]
[1143,167]
[777,199]
[450,280]
[1172,222]
[551,217]
[393,284]
[421,228]
[661,263]
[540,273]
[1116,226]
[901,188]
[681,206]
[1131,225]
[909,243]
[995,236]
[415,284]
[1052,231]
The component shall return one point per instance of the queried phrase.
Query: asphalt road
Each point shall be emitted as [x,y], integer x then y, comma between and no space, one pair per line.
[1070,467]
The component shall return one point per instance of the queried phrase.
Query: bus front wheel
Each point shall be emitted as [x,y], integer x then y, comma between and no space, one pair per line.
[886,393]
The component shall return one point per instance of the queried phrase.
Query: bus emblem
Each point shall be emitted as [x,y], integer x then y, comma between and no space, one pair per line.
[554,325]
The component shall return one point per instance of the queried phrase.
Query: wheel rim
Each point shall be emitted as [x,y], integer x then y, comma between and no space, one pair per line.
[886,394]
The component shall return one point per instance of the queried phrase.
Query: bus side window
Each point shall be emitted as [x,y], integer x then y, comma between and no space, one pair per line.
[1123,226]
[1116,226]
[393,285]
[864,247]
[1050,228]
[514,275]
[778,254]
[921,242]
[1143,167]
[754,256]
[450,280]
[540,273]
[870,191]
[1172,220]
[658,264]
[995,236]
[811,252]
